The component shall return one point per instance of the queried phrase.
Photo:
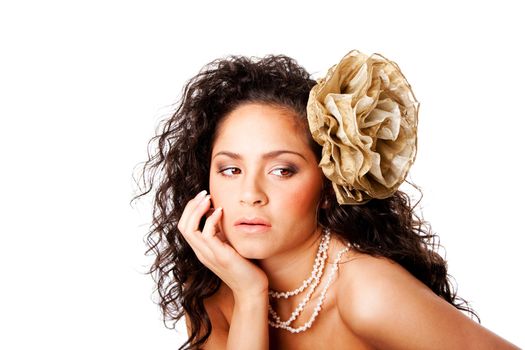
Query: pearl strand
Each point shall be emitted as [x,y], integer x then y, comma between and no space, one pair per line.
[305,300]
[317,309]
[319,260]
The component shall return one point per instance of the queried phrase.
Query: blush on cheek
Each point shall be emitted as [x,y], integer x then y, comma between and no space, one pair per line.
[301,201]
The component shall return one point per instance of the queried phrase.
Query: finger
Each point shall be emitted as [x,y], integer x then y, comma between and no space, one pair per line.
[214,238]
[198,245]
[189,208]
[193,236]
[209,212]
[221,252]
[210,227]
[218,233]
[194,218]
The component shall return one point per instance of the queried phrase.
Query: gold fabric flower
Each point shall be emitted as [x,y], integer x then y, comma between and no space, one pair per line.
[364,114]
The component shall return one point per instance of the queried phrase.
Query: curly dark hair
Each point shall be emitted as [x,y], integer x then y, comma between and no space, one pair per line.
[178,167]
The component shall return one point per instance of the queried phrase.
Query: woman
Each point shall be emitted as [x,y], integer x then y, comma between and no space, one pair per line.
[304,240]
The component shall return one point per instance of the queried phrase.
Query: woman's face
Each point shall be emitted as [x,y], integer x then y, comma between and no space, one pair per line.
[266,178]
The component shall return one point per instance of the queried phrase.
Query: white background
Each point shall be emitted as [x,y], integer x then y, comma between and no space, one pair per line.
[84,84]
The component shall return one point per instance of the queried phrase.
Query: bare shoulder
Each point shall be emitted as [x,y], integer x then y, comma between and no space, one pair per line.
[366,273]
[367,282]
[387,306]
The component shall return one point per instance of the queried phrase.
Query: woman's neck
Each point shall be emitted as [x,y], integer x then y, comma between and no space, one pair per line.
[288,270]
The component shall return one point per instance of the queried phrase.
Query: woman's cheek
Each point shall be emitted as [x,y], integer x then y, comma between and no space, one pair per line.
[303,197]
[218,195]
[215,191]
[218,202]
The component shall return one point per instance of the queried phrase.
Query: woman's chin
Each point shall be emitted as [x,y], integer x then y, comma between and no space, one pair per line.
[252,252]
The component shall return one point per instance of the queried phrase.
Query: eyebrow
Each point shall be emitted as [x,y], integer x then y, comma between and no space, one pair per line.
[268,155]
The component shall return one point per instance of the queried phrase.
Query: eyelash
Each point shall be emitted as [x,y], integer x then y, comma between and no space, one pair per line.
[290,170]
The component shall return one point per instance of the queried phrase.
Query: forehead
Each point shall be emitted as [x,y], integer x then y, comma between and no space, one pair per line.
[257,127]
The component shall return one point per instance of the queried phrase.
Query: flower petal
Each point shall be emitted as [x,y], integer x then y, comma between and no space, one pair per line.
[364,114]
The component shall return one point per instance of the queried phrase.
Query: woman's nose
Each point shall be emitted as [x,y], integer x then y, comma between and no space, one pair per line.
[252,192]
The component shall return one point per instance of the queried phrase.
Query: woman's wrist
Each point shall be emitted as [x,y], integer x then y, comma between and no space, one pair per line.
[250,316]
[251,298]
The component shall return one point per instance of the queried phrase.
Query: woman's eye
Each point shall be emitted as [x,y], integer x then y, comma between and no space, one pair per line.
[283,172]
[230,171]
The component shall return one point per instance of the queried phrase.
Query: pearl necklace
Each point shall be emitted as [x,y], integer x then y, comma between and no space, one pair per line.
[276,320]
[316,272]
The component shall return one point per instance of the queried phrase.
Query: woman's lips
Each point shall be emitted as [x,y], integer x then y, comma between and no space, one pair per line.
[252,224]
[249,228]
[254,220]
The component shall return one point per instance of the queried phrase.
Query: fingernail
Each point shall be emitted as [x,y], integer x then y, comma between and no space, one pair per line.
[201,194]
[205,199]
[219,209]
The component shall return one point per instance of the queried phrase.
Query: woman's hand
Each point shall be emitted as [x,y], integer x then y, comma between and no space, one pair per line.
[243,277]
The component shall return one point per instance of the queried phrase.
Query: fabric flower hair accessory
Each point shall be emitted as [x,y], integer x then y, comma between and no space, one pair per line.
[364,114]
